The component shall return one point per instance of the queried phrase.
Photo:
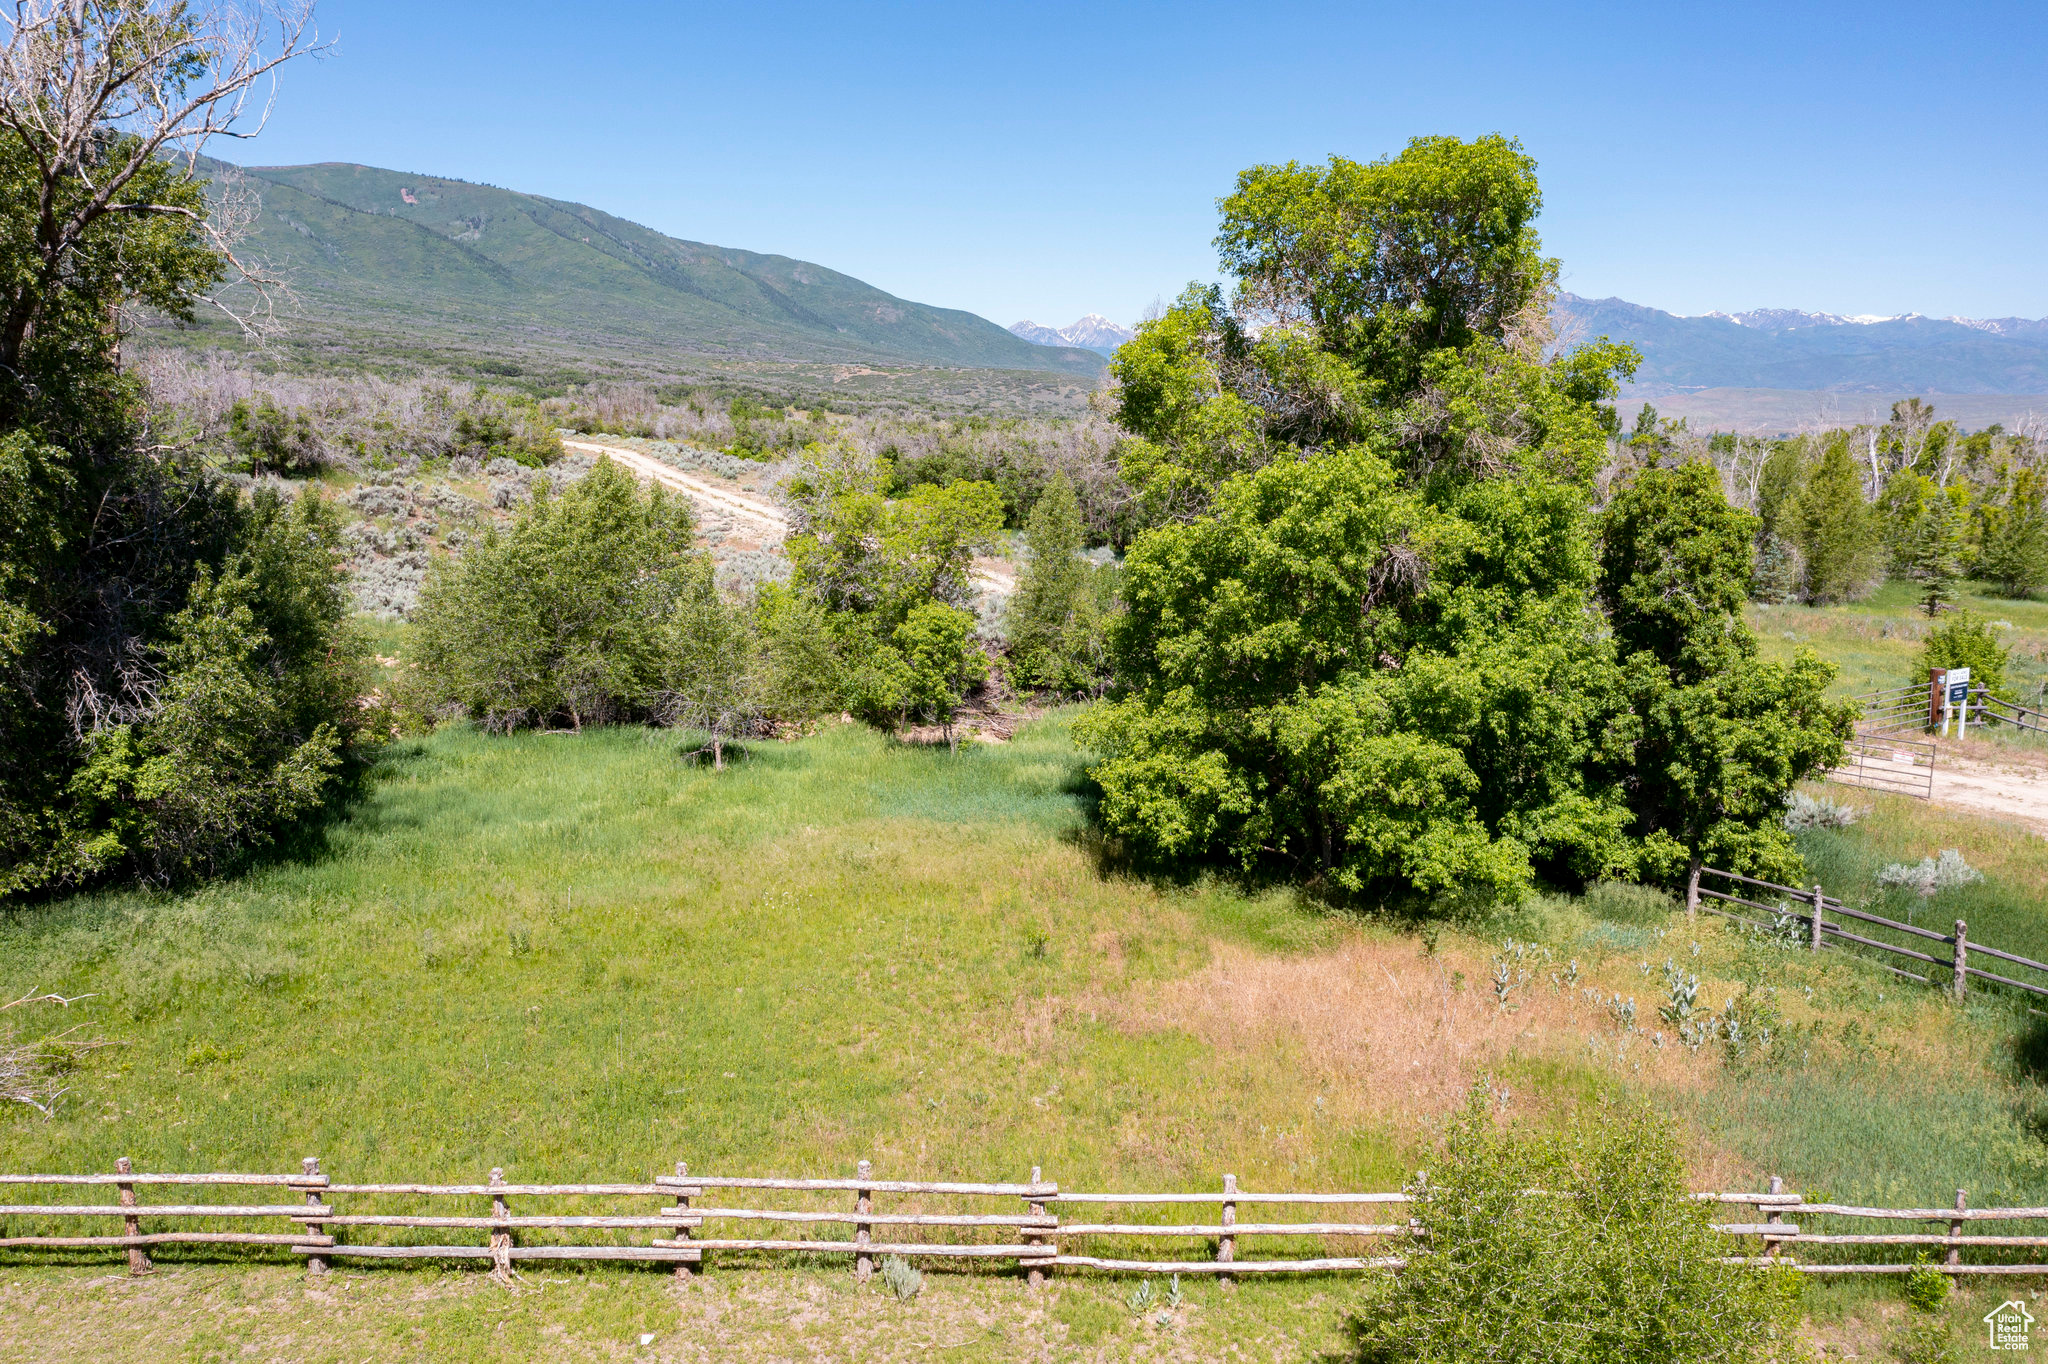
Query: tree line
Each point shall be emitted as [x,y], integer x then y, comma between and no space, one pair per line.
[1387,620]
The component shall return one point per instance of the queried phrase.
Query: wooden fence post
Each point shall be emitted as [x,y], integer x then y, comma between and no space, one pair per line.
[1955,1228]
[315,1264]
[1772,1246]
[138,1259]
[1692,891]
[501,1237]
[1819,903]
[1962,964]
[863,1201]
[683,1232]
[1226,1244]
[1035,1276]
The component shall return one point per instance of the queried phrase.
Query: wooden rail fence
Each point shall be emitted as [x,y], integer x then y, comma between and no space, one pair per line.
[1811,909]
[1032,1233]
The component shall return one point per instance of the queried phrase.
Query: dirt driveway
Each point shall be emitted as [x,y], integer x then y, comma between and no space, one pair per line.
[1988,778]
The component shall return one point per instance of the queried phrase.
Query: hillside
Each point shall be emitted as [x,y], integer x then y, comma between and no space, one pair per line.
[1786,349]
[422,263]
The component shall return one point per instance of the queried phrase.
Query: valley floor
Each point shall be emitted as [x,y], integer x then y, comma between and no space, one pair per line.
[581,957]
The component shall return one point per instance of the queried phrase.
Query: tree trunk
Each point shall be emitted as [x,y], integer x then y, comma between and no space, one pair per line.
[952,744]
[717,754]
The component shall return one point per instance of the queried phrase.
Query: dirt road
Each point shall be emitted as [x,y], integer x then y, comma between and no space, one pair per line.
[763,517]
[2006,784]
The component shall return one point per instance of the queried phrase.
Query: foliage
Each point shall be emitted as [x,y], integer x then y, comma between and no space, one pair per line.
[266,437]
[1375,660]
[1926,1339]
[710,673]
[2012,532]
[180,677]
[904,1281]
[1389,262]
[1574,1245]
[504,426]
[857,551]
[936,642]
[1720,736]
[1965,640]
[1934,549]
[1931,874]
[1831,526]
[1055,620]
[1804,812]
[890,582]
[1927,1288]
[1436,739]
[561,615]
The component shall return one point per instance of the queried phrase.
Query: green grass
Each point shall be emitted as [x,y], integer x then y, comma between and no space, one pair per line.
[567,955]
[581,957]
[1875,643]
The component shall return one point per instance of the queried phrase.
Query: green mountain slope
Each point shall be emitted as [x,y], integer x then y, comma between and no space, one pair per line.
[415,257]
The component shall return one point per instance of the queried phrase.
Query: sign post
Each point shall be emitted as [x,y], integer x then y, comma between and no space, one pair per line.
[1956,683]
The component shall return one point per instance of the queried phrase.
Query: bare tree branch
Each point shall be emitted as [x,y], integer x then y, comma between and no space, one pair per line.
[168,78]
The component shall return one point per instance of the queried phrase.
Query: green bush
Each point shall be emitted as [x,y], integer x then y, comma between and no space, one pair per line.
[1927,1287]
[1575,1246]
[559,617]
[1965,640]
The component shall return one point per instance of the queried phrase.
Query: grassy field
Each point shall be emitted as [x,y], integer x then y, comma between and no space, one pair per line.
[581,957]
[1875,643]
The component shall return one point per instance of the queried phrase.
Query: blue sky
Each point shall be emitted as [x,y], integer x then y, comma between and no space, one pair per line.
[1047,160]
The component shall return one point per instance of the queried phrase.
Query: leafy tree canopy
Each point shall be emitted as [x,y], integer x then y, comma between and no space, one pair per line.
[1362,640]
[560,616]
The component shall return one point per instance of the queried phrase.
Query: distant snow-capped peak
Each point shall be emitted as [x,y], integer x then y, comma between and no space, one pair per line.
[1093,332]
[1791,319]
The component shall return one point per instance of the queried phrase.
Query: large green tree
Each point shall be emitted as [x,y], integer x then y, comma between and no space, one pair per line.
[560,617]
[863,565]
[1361,642]
[1718,736]
[179,675]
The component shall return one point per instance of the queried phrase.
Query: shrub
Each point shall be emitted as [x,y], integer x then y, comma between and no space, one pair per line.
[1610,1262]
[904,1281]
[1965,640]
[1926,1287]
[1804,812]
[560,615]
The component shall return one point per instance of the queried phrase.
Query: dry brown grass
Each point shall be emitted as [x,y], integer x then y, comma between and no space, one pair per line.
[1392,1028]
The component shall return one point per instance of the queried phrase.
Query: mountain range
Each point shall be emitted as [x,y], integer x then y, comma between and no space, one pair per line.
[1783,348]
[428,263]
[1093,332]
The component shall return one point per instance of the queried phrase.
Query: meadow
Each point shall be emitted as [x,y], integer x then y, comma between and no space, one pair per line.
[1874,643]
[582,956]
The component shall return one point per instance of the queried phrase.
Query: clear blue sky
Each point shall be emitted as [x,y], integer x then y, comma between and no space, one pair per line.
[1046,160]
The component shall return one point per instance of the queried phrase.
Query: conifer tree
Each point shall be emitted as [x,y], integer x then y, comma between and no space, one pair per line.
[1935,552]
[1054,627]
[1831,525]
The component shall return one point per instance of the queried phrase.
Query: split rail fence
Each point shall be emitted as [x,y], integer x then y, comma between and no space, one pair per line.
[1808,911]
[675,1221]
